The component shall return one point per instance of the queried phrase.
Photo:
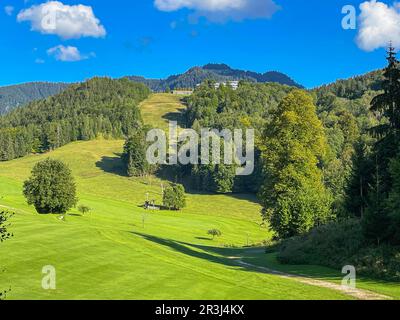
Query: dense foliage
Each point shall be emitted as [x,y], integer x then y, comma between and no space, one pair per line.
[371,240]
[293,195]
[98,107]
[249,106]
[51,187]
[21,94]
[174,197]
[339,244]
[4,235]
[134,155]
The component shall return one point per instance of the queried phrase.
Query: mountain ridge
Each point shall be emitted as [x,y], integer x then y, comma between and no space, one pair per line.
[16,95]
[213,71]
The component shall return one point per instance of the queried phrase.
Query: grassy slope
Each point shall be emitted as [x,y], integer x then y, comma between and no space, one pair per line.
[110,254]
[160,108]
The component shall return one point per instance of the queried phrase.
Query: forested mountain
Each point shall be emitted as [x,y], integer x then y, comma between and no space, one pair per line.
[355,87]
[98,107]
[217,72]
[18,95]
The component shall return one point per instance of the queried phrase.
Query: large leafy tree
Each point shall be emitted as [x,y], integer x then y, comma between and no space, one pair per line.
[51,187]
[293,195]
[174,197]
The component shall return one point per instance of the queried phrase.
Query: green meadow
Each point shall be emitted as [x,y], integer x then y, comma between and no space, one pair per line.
[121,251]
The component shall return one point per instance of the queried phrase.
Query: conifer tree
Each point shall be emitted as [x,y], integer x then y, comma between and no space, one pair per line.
[387,105]
[377,224]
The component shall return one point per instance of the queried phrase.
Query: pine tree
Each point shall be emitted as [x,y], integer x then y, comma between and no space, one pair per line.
[134,156]
[360,179]
[378,218]
[387,105]
[393,201]
[376,221]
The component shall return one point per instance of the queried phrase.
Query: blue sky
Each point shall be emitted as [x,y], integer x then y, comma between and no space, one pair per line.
[303,39]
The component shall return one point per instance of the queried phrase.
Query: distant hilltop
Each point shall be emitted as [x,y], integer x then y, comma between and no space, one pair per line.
[220,73]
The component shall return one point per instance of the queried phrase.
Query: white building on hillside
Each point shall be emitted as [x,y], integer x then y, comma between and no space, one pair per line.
[233,84]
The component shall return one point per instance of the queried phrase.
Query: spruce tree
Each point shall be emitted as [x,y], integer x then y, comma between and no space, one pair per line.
[134,156]
[359,182]
[387,105]
[377,221]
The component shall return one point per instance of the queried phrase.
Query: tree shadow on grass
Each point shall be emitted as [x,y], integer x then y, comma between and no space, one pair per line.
[204,238]
[113,165]
[178,116]
[184,248]
[254,257]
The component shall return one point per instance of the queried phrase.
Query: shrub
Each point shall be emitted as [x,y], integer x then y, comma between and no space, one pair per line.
[342,243]
[214,233]
[330,245]
[84,209]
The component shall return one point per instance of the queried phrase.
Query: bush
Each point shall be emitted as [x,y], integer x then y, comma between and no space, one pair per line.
[51,187]
[381,262]
[329,245]
[342,243]
[84,209]
[214,233]
[174,197]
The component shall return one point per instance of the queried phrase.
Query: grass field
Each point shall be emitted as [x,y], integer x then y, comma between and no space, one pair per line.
[161,108]
[121,251]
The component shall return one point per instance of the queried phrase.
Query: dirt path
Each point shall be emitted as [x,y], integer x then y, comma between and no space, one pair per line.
[359,294]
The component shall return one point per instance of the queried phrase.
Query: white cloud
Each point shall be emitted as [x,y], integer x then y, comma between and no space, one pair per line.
[378,25]
[67,54]
[9,10]
[39,61]
[222,10]
[63,20]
